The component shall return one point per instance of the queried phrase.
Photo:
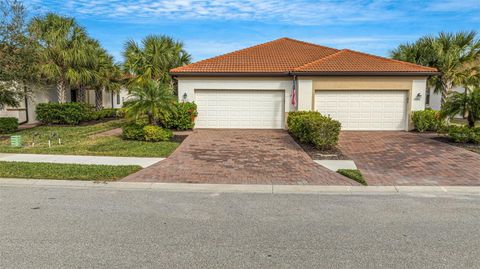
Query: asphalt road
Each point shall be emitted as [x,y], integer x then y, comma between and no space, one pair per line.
[98,228]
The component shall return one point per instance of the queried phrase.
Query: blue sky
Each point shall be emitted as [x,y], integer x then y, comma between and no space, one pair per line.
[210,28]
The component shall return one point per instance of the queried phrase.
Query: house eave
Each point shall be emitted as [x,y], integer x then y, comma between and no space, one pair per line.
[286,74]
[365,73]
[229,74]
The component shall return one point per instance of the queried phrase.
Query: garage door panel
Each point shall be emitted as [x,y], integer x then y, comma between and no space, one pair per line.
[364,109]
[240,109]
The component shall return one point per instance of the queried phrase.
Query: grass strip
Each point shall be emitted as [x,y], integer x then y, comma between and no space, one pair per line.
[353,174]
[65,171]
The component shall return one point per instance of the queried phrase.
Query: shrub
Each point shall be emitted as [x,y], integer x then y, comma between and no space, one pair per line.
[461,134]
[8,125]
[427,120]
[155,133]
[353,174]
[102,114]
[313,128]
[182,118]
[133,131]
[476,135]
[62,113]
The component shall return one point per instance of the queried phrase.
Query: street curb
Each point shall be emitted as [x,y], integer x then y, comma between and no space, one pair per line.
[239,188]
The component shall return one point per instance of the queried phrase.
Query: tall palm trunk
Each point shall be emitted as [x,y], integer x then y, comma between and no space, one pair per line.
[447,89]
[61,91]
[98,99]
[82,94]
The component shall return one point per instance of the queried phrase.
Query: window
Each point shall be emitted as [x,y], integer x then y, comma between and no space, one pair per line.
[118,98]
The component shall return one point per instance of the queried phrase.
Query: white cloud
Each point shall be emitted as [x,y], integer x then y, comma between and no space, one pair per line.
[296,12]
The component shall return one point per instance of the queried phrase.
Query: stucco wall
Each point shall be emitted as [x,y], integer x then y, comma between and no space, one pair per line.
[415,86]
[187,86]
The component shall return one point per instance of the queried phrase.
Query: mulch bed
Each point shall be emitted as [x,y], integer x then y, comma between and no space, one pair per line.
[317,154]
[468,146]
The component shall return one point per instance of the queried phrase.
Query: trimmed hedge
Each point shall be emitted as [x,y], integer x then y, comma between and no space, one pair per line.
[313,128]
[62,113]
[463,134]
[102,114]
[71,113]
[427,120]
[140,132]
[133,131]
[154,133]
[183,117]
[8,125]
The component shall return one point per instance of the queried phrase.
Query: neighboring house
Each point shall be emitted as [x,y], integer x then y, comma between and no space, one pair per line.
[434,100]
[26,111]
[253,87]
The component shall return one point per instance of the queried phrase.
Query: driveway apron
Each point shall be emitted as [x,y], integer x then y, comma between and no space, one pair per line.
[239,157]
[403,158]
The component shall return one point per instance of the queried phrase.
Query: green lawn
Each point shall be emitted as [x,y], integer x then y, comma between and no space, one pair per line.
[65,171]
[78,140]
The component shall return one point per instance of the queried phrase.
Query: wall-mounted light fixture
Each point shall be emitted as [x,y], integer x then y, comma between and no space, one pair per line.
[184,96]
[419,96]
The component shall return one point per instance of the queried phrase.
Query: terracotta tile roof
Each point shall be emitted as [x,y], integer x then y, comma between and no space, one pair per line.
[281,55]
[287,55]
[353,61]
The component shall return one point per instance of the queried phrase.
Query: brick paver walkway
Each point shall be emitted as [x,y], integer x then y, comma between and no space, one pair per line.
[402,158]
[240,157]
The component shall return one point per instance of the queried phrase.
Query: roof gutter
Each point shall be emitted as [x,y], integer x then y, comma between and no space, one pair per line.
[230,74]
[365,73]
[287,74]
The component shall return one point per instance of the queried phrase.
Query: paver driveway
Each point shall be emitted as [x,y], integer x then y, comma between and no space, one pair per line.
[240,157]
[402,158]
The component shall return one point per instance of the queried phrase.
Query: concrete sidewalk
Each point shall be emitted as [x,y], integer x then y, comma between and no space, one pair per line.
[240,188]
[77,159]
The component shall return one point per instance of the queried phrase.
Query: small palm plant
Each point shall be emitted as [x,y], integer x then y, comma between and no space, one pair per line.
[152,99]
[467,103]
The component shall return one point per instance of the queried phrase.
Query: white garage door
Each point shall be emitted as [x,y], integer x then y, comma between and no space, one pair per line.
[253,109]
[364,110]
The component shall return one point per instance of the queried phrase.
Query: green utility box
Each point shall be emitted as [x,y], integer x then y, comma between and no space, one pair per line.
[16,140]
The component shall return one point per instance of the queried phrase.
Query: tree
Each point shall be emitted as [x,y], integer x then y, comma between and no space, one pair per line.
[465,103]
[152,98]
[154,59]
[63,59]
[17,54]
[108,75]
[455,55]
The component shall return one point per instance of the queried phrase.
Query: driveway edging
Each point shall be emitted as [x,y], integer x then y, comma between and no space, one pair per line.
[240,188]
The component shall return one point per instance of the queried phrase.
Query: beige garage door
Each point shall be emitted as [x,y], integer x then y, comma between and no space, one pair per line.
[249,109]
[364,109]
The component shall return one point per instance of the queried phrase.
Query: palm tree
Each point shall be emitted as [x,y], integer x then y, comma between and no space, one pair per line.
[151,98]
[467,103]
[107,74]
[154,59]
[63,59]
[455,55]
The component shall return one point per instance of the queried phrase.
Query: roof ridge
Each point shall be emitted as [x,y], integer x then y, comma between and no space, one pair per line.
[307,43]
[390,59]
[320,59]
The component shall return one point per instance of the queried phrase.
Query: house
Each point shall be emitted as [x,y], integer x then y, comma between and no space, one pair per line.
[253,87]
[26,111]
[434,99]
